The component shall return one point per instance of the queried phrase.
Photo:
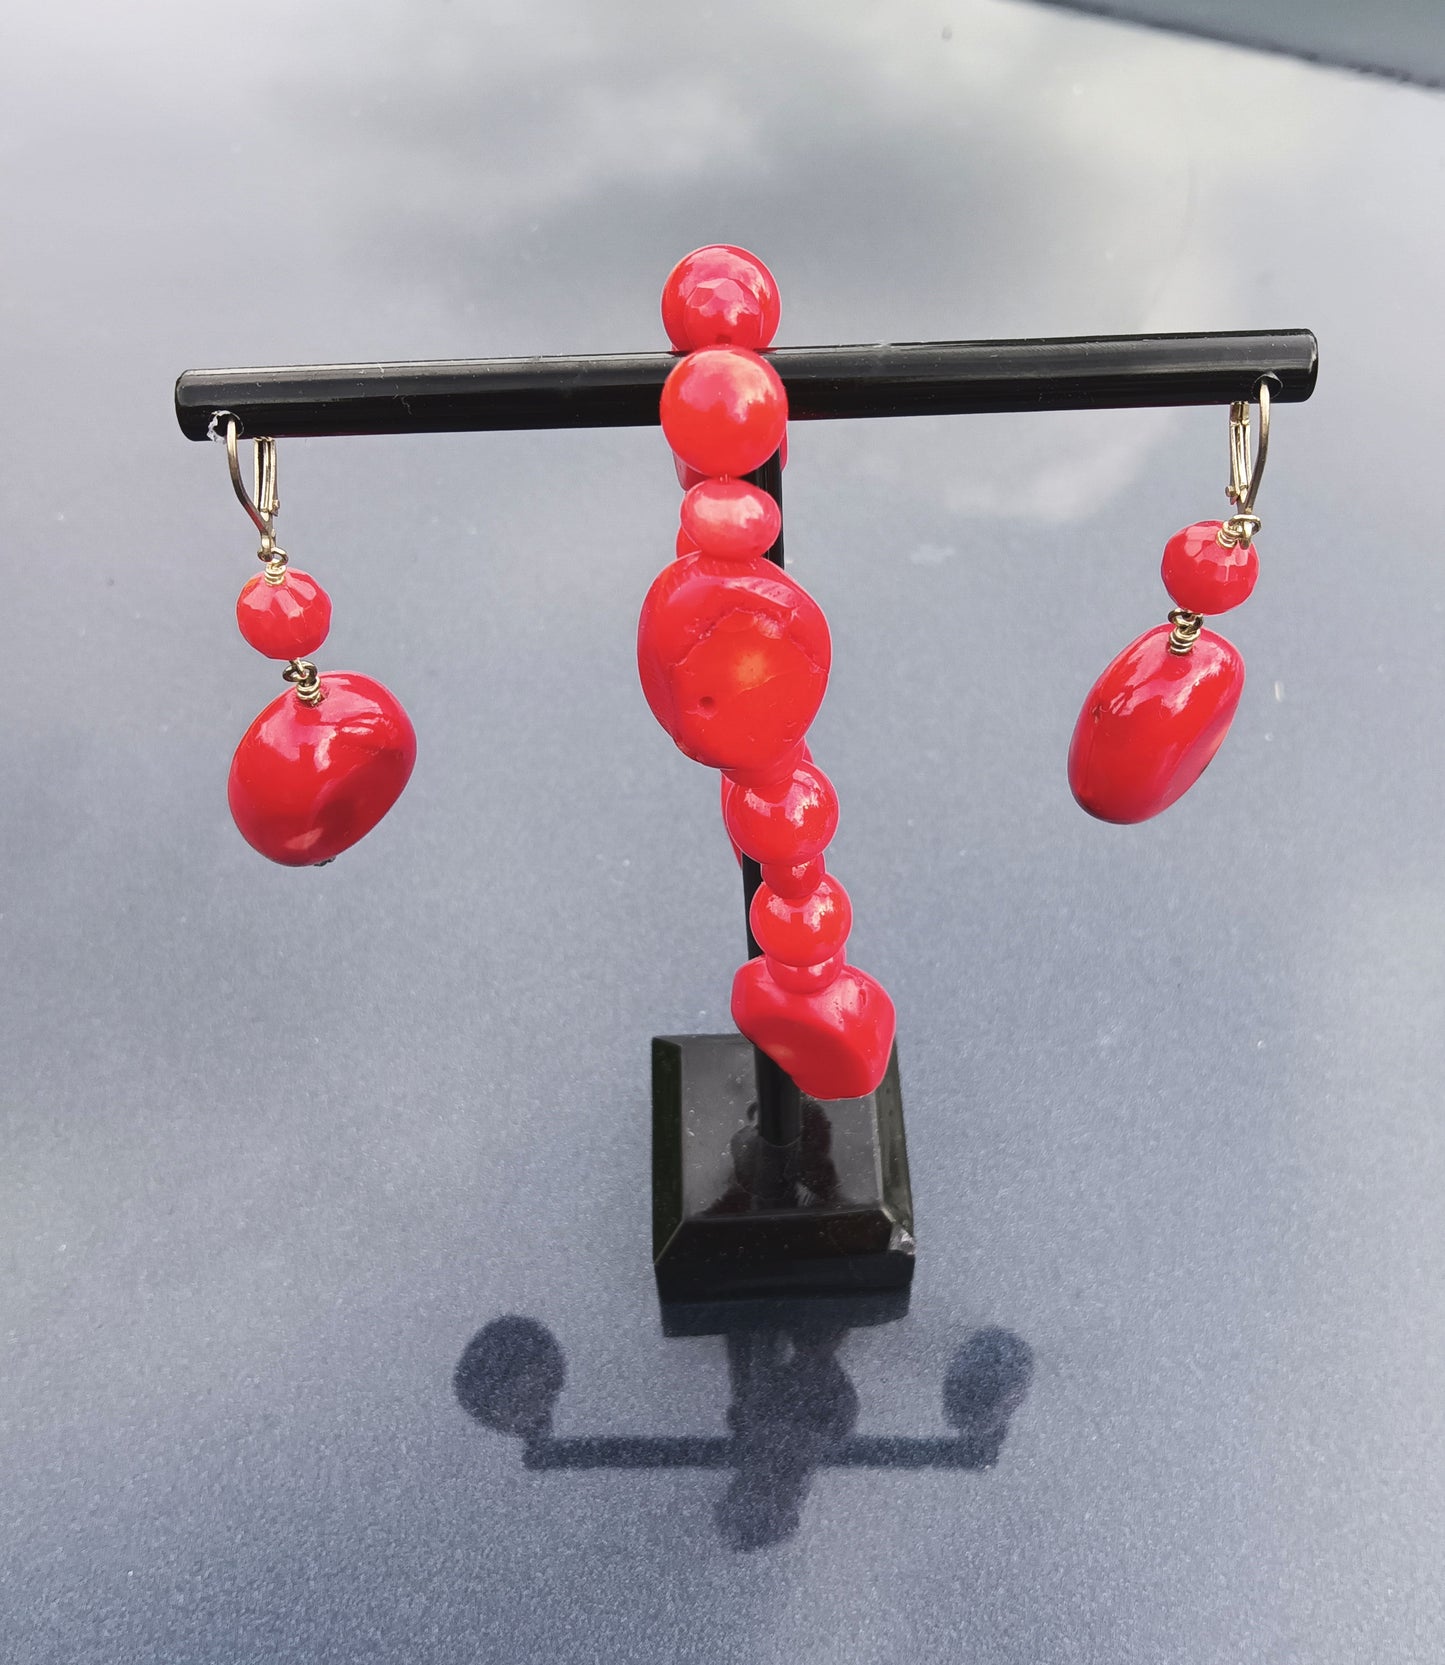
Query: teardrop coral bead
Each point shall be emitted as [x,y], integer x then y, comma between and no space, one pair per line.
[1152,723]
[308,781]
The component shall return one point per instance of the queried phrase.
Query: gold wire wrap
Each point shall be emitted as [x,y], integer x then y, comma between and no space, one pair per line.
[308,684]
[1186,629]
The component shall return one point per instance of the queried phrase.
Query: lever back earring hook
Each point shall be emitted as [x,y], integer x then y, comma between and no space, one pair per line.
[1245,473]
[263,502]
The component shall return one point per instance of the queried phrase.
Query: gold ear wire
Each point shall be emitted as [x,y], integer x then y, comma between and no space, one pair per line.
[263,502]
[1245,474]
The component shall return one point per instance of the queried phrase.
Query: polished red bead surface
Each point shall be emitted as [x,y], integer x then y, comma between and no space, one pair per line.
[720,294]
[733,657]
[685,544]
[308,781]
[803,931]
[805,979]
[1202,574]
[288,620]
[793,882]
[835,1043]
[724,410]
[786,824]
[1152,723]
[731,518]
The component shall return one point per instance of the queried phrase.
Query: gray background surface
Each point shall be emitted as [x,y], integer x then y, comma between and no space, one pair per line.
[277,1143]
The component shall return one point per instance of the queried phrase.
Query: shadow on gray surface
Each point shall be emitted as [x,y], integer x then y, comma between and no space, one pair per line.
[794,1410]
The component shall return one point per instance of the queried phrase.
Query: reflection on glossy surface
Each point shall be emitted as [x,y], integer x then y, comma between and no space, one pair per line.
[308,781]
[1151,724]
[794,1411]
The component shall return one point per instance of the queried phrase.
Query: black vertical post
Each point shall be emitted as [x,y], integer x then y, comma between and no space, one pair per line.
[780,1110]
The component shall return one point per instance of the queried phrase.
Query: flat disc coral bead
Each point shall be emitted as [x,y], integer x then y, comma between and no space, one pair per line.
[724,410]
[787,824]
[720,294]
[1152,723]
[805,931]
[731,518]
[733,657]
[288,620]
[308,781]
[1202,574]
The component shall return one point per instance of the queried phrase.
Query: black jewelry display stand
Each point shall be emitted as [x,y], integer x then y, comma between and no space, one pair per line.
[758,1191]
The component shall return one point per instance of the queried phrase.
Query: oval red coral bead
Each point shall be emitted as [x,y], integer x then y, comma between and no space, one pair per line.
[733,658]
[1202,574]
[1152,723]
[308,781]
[730,518]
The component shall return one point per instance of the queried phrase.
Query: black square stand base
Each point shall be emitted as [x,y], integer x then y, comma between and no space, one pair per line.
[734,1216]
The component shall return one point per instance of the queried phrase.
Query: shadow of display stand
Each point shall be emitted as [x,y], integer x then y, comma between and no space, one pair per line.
[756,1189]
[793,1411]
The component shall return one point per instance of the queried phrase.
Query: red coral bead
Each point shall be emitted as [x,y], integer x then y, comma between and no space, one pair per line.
[1203,575]
[717,295]
[802,931]
[731,518]
[685,544]
[288,620]
[733,657]
[724,410]
[787,824]
[308,781]
[1152,723]
[792,883]
[835,1043]
[805,979]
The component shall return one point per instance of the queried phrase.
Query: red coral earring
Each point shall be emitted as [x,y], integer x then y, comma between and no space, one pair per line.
[734,657]
[1153,721]
[327,759]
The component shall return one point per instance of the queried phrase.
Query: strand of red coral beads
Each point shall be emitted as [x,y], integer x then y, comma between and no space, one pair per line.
[734,656]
